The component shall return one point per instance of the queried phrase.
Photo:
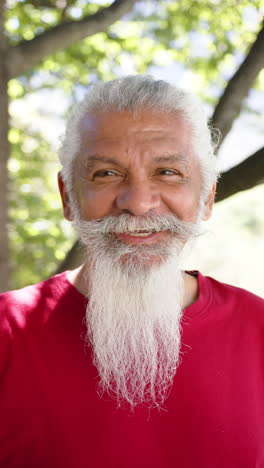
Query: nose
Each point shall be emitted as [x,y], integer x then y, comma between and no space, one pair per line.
[138,198]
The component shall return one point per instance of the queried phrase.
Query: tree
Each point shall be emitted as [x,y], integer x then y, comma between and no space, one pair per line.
[45,37]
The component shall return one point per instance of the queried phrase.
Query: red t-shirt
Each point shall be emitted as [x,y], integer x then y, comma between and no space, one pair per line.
[51,415]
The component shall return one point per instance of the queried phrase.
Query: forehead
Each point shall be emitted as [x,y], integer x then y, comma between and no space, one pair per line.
[110,129]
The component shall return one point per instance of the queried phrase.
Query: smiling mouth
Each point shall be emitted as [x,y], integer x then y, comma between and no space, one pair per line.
[139,233]
[139,237]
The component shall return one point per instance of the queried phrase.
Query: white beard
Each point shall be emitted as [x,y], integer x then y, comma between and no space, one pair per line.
[134,311]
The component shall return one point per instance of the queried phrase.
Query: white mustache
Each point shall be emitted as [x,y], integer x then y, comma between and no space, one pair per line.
[152,222]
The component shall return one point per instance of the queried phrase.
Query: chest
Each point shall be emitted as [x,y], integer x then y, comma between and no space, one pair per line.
[213,417]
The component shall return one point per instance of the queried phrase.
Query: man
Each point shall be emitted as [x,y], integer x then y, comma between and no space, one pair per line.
[167,369]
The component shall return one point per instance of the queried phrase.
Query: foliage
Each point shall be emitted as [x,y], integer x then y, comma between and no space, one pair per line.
[209,36]
[38,240]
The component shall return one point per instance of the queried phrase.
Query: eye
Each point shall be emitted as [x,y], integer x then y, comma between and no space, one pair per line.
[169,172]
[104,173]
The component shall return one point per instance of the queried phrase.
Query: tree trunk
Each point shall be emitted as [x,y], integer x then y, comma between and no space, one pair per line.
[4,153]
[230,103]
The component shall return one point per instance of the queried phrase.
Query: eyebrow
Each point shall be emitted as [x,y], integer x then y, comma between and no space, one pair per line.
[166,158]
[95,158]
[171,158]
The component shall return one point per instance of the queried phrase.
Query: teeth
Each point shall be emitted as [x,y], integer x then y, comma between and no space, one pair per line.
[140,234]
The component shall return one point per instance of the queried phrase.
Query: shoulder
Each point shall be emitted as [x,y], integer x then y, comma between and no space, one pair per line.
[223,291]
[16,306]
[33,316]
[25,313]
[233,303]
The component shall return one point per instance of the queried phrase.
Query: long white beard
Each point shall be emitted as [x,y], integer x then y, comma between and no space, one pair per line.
[134,310]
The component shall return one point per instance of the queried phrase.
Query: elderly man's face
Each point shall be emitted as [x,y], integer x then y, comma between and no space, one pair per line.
[142,167]
[137,165]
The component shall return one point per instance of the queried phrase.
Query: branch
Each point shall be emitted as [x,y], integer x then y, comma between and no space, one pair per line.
[230,103]
[24,56]
[246,175]
[42,3]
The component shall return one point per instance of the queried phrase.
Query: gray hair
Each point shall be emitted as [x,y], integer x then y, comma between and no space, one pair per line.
[134,93]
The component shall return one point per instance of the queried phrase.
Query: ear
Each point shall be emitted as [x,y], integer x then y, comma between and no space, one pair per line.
[209,203]
[64,198]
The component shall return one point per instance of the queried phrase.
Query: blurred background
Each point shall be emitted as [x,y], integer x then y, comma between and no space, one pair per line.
[52,50]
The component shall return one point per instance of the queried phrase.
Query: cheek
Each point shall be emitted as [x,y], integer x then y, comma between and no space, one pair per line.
[95,203]
[183,202]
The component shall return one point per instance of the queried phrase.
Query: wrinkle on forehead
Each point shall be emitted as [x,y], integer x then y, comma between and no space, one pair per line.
[162,143]
[132,134]
[100,125]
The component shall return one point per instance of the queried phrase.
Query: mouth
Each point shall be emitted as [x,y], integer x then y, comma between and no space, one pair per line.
[141,237]
[140,233]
